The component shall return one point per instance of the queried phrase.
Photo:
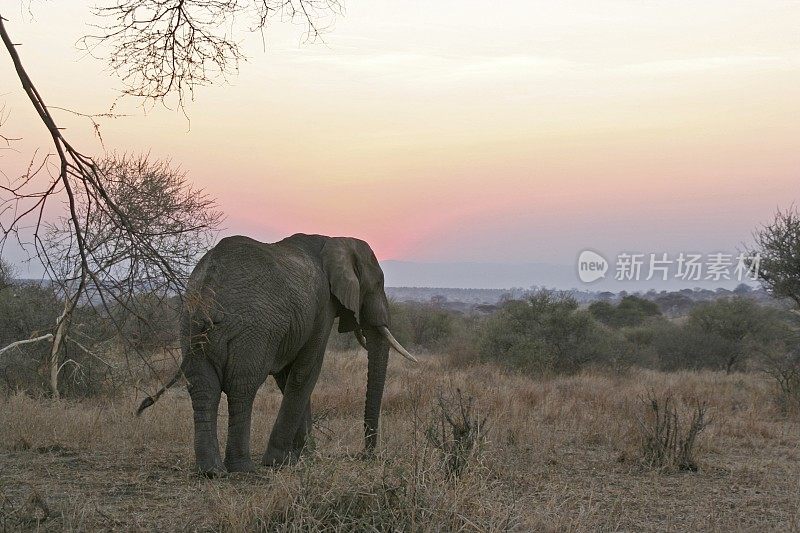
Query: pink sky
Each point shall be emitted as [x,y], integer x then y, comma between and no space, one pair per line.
[459,131]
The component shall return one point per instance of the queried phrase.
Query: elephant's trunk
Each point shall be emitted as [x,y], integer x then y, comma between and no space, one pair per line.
[378,357]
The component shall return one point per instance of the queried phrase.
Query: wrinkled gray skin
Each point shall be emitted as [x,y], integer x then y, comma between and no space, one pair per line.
[253,310]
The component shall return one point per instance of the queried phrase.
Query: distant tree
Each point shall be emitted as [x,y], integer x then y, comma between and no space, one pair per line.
[674,303]
[737,323]
[778,248]
[630,311]
[742,288]
[603,311]
[633,310]
[7,273]
[438,300]
[544,333]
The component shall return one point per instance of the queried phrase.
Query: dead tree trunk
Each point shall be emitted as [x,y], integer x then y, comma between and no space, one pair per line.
[62,325]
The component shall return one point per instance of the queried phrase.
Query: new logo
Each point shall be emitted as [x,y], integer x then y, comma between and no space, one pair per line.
[591,266]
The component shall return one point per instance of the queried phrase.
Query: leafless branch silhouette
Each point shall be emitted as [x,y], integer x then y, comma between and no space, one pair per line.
[164,47]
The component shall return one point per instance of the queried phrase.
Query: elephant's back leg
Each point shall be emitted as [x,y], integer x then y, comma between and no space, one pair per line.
[247,366]
[205,391]
[249,356]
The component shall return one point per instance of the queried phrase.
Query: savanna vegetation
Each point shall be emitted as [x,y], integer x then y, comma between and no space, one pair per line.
[634,412]
[540,413]
[474,448]
[538,416]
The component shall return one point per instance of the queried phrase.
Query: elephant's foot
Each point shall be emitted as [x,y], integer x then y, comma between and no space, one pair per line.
[240,465]
[274,458]
[210,465]
[211,470]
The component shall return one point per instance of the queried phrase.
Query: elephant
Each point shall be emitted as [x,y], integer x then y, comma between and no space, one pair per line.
[254,309]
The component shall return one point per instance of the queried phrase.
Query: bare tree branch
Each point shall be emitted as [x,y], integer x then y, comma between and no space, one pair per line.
[121,231]
[46,337]
[164,47]
[5,140]
[131,226]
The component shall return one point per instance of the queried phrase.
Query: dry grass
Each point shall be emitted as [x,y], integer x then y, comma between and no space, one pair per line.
[558,454]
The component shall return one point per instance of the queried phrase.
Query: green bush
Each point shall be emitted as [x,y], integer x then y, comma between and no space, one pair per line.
[547,333]
[431,327]
[27,311]
[736,326]
[146,323]
[726,334]
[686,347]
[462,347]
[7,273]
[630,311]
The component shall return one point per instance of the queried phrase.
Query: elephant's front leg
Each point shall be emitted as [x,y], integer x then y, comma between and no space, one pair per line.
[304,431]
[294,415]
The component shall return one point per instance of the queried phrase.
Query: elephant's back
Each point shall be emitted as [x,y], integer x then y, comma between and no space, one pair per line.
[250,279]
[242,261]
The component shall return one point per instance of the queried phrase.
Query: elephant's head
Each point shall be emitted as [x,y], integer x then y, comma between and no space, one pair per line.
[356,281]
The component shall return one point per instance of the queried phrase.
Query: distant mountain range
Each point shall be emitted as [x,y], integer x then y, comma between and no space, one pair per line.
[477,275]
[524,275]
[497,276]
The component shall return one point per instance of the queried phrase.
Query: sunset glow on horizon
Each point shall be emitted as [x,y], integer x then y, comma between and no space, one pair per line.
[513,132]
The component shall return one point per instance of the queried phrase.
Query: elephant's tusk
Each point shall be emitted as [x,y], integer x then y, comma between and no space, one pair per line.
[361,339]
[396,345]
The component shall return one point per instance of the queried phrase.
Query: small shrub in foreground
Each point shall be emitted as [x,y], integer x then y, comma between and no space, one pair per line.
[457,432]
[783,365]
[668,436]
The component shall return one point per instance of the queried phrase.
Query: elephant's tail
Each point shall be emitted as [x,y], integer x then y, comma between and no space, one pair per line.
[150,400]
[197,318]
[194,327]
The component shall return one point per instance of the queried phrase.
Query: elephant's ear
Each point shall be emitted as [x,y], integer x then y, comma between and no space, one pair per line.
[339,263]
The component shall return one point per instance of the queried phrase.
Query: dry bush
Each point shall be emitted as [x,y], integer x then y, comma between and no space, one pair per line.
[783,366]
[669,436]
[456,431]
